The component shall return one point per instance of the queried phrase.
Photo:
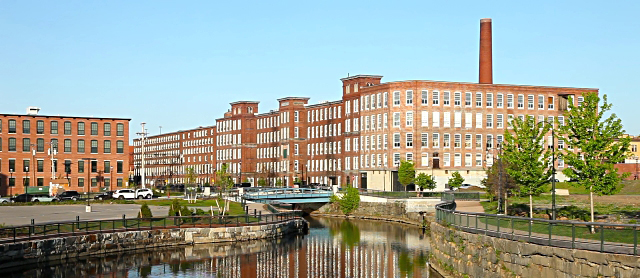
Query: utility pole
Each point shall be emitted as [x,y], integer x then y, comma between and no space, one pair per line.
[143,135]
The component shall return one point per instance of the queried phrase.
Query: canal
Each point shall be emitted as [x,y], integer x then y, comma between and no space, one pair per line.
[332,248]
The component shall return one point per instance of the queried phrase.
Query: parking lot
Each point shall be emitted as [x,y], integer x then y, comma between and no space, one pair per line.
[22,215]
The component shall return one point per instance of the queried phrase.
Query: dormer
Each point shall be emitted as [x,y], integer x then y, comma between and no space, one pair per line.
[352,84]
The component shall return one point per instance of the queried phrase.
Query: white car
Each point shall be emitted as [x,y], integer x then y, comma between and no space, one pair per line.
[4,201]
[143,193]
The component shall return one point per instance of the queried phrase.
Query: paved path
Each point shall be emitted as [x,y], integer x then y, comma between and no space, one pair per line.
[22,215]
[469,206]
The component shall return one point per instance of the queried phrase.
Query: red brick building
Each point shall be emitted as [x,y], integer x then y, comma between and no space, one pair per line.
[362,137]
[36,149]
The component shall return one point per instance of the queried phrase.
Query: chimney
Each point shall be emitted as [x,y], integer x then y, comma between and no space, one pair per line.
[486,67]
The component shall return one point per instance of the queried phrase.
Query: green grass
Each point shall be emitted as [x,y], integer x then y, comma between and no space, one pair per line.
[628,188]
[234,208]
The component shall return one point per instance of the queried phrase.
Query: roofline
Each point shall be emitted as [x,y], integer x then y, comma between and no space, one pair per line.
[177,132]
[324,103]
[245,101]
[287,98]
[72,117]
[481,84]
[361,76]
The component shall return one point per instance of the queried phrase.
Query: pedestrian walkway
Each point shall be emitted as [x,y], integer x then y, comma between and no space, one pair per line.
[469,206]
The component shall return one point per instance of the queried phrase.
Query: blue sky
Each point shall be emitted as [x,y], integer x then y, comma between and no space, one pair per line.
[178,64]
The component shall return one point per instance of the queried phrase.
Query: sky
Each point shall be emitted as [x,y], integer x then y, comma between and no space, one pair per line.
[178,64]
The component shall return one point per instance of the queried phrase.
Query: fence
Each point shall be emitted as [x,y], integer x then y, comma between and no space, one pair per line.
[77,227]
[420,194]
[594,236]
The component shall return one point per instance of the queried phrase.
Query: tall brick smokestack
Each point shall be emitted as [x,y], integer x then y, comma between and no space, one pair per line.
[486,64]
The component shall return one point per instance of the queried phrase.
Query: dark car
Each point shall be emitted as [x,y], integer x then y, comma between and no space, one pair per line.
[104,196]
[22,198]
[68,196]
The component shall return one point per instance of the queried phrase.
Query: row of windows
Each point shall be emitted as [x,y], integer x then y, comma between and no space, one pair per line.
[106,182]
[322,114]
[39,145]
[68,166]
[53,128]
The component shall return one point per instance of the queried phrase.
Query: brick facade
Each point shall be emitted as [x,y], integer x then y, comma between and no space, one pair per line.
[26,142]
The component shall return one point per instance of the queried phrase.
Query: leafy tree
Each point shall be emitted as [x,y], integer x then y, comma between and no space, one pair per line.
[349,202]
[528,156]
[599,144]
[224,183]
[262,182]
[406,173]
[497,178]
[191,177]
[425,181]
[278,183]
[456,180]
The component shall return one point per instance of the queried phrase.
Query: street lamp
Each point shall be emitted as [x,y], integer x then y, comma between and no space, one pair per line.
[553,175]
[636,176]
[88,183]
[111,181]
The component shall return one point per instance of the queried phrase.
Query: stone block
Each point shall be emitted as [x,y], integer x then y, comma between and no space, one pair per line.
[541,260]
[588,270]
[590,256]
[628,260]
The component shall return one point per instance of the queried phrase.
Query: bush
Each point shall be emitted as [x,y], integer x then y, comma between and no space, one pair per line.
[175,208]
[574,212]
[145,211]
[350,201]
[199,211]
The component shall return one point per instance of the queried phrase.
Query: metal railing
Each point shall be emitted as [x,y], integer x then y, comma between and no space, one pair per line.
[420,194]
[594,236]
[81,227]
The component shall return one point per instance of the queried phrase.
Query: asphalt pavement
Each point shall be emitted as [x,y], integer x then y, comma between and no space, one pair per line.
[22,215]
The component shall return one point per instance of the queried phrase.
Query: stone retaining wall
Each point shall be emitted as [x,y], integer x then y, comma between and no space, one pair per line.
[391,210]
[465,254]
[36,251]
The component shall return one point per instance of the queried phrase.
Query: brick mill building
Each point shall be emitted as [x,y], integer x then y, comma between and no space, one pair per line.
[362,137]
[38,150]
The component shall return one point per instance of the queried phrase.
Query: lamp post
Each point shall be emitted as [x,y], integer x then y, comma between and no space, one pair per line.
[553,175]
[497,147]
[67,170]
[111,181]
[636,177]
[88,183]
[143,135]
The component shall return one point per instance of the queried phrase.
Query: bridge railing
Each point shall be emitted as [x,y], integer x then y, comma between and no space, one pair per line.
[287,193]
[594,236]
[82,227]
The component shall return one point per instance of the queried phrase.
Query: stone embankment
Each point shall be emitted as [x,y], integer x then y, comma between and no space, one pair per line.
[404,212]
[73,247]
[463,254]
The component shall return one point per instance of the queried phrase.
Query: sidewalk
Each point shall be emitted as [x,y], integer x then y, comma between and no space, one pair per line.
[469,206]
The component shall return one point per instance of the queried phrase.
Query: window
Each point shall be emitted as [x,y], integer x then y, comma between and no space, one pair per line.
[424,161]
[25,165]
[456,141]
[435,119]
[409,138]
[107,166]
[520,101]
[396,140]
[80,166]
[107,146]
[94,166]
[478,159]
[540,102]
[551,102]
[478,99]
[445,98]
[12,145]
[67,128]
[40,166]
[119,167]
[467,120]
[530,100]
[447,119]
[94,182]
[467,98]
[634,148]
[457,159]
[385,101]
[94,146]
[120,129]
[509,101]
[447,159]
[409,156]
[120,147]
[296,116]
[424,140]
[396,119]
[425,97]
[26,126]
[12,165]
[489,121]
[560,144]
[12,126]
[396,159]
[424,118]
[436,98]
[80,182]
[80,128]
[396,98]
[67,145]
[81,146]
[409,97]
[478,120]
[457,119]
[499,101]
[560,121]
[26,144]
[580,101]
[489,100]
[119,182]
[509,121]
[409,119]
[479,141]
[467,141]
[467,160]
[446,141]
[40,127]
[67,166]
[499,121]
[40,145]
[457,99]
[106,129]
[435,139]
[53,126]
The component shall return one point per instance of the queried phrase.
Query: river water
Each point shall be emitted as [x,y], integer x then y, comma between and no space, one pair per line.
[332,248]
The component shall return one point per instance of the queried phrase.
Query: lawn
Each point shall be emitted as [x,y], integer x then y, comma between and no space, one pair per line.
[629,188]
[234,207]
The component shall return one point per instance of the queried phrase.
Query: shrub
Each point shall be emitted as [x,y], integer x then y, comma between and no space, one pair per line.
[350,201]
[145,211]
[199,211]
[175,208]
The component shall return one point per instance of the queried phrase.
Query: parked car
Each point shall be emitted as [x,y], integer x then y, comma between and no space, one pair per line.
[143,193]
[104,196]
[68,196]
[22,198]
[4,200]
[43,198]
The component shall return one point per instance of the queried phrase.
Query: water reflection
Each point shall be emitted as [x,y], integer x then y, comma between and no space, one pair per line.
[333,248]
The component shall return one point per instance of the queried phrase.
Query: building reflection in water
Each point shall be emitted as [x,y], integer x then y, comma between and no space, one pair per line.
[333,248]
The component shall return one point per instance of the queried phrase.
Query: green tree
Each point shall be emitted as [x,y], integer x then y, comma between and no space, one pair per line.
[406,173]
[191,177]
[498,180]
[425,181]
[349,202]
[599,146]
[278,183]
[145,211]
[224,183]
[262,182]
[528,156]
[456,180]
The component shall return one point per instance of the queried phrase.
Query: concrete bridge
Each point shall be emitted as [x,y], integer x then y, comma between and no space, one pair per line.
[289,195]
